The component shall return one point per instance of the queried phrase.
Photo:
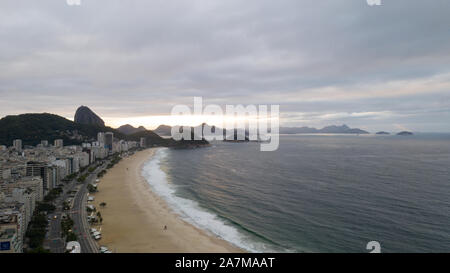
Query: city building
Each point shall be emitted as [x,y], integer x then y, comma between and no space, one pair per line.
[17,144]
[5,174]
[143,142]
[101,139]
[43,170]
[59,143]
[34,183]
[28,173]
[109,139]
[11,228]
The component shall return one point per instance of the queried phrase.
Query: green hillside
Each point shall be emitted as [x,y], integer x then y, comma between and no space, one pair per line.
[32,128]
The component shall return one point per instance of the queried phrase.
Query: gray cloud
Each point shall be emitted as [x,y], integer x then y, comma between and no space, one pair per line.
[317,60]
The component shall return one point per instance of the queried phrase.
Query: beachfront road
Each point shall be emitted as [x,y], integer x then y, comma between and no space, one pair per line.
[79,215]
[81,228]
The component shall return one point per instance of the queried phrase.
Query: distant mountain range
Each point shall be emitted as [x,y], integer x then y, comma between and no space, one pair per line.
[165,130]
[333,129]
[403,133]
[127,129]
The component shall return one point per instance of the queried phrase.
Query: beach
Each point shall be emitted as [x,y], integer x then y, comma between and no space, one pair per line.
[134,217]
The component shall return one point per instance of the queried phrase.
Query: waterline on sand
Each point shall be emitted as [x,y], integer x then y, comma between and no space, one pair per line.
[190,211]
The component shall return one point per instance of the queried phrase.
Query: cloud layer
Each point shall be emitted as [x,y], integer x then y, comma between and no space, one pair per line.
[377,67]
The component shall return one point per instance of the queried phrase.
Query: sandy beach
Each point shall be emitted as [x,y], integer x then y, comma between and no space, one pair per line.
[134,217]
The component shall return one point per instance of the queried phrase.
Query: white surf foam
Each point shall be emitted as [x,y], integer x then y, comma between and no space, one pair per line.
[190,210]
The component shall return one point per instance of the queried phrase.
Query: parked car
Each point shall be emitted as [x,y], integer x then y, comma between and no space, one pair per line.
[103,249]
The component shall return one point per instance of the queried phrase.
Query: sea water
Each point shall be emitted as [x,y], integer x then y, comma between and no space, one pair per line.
[317,193]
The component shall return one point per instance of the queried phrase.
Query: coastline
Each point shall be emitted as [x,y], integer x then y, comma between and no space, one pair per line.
[134,216]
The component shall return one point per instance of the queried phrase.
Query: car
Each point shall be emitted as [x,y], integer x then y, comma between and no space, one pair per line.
[97,237]
[103,249]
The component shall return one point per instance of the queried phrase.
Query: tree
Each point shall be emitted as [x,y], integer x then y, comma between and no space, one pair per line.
[38,250]
[45,207]
[102,204]
[71,237]
[91,188]
[66,205]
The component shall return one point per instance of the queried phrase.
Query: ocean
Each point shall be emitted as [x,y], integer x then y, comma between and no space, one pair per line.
[316,193]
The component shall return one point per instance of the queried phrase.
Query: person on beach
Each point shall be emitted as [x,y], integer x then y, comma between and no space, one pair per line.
[165,227]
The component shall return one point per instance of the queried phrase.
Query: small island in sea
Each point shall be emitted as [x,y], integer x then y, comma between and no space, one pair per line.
[405,133]
[383,133]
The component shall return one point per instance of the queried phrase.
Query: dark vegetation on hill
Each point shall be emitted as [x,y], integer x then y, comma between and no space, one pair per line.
[32,128]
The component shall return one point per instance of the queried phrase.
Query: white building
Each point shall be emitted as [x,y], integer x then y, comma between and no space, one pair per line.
[101,139]
[83,159]
[63,166]
[28,199]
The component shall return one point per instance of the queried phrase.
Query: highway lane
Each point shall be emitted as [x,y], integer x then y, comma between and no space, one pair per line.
[79,215]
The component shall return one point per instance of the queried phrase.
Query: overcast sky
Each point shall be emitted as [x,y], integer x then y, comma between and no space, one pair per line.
[324,62]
